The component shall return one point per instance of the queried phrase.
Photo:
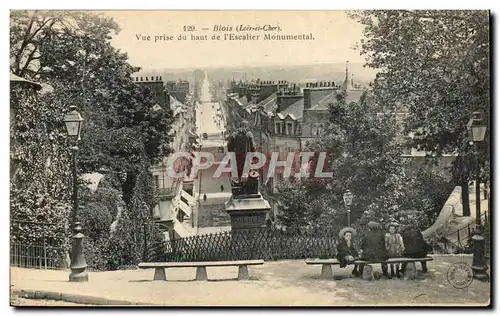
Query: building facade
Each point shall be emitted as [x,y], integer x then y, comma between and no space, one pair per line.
[176,205]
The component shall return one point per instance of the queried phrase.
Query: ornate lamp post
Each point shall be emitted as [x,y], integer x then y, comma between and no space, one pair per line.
[74,122]
[348,196]
[477,131]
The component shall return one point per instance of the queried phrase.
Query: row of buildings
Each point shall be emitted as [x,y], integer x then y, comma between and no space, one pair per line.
[285,116]
[176,204]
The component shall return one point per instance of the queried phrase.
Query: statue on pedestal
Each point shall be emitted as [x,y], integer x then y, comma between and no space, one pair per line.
[242,142]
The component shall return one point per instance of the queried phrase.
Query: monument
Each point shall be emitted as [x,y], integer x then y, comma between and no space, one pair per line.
[247,207]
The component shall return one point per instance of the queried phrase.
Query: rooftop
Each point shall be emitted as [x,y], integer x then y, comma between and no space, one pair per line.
[295,111]
[352,96]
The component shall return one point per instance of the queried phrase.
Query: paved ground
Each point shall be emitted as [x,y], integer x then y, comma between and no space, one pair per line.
[21,302]
[281,283]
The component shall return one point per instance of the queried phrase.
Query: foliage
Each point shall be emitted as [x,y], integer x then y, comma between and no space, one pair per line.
[39,168]
[365,156]
[364,148]
[71,54]
[427,192]
[300,205]
[435,65]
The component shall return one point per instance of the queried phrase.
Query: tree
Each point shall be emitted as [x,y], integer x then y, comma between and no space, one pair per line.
[71,52]
[425,195]
[365,154]
[300,204]
[435,66]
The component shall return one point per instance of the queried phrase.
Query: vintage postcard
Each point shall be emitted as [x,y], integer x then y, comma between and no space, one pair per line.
[250,158]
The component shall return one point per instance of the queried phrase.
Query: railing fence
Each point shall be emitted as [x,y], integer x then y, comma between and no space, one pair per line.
[44,252]
[37,256]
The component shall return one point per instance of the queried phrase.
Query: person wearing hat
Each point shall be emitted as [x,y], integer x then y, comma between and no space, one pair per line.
[373,246]
[394,245]
[346,252]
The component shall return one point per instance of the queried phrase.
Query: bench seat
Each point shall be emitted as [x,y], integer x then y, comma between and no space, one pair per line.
[327,272]
[389,261]
[201,271]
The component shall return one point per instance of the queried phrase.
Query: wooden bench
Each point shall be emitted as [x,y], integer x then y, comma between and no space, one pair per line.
[327,272]
[201,267]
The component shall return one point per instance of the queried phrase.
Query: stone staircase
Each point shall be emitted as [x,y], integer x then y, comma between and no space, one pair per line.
[451,230]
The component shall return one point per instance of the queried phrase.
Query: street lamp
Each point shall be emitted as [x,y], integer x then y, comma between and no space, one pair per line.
[477,131]
[74,122]
[348,196]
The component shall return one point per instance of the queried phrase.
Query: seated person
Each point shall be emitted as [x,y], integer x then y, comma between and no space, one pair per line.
[394,245]
[373,246]
[346,252]
[415,246]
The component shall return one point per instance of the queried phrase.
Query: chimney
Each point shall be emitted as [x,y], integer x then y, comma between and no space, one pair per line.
[265,91]
[285,100]
[307,98]
[167,100]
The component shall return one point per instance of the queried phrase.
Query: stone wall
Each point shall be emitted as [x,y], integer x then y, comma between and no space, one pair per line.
[213,215]
[451,209]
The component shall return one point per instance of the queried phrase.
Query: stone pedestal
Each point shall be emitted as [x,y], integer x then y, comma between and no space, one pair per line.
[247,211]
[248,226]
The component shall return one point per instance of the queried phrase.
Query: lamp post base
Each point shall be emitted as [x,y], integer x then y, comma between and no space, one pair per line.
[79,276]
[480,273]
[78,264]
[479,266]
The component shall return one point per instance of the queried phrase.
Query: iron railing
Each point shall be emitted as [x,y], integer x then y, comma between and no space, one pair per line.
[463,239]
[266,243]
[37,256]
[47,251]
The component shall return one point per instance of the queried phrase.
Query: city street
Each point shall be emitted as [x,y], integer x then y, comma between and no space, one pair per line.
[210,121]
[208,118]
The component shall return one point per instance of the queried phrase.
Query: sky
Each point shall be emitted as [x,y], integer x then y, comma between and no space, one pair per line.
[334,36]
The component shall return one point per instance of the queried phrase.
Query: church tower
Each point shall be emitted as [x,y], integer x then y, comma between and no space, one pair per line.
[346,85]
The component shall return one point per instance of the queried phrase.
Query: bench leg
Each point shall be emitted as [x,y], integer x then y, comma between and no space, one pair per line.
[243,273]
[326,271]
[367,272]
[201,273]
[410,270]
[160,274]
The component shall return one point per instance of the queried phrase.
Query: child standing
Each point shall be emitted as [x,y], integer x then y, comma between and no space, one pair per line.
[394,245]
